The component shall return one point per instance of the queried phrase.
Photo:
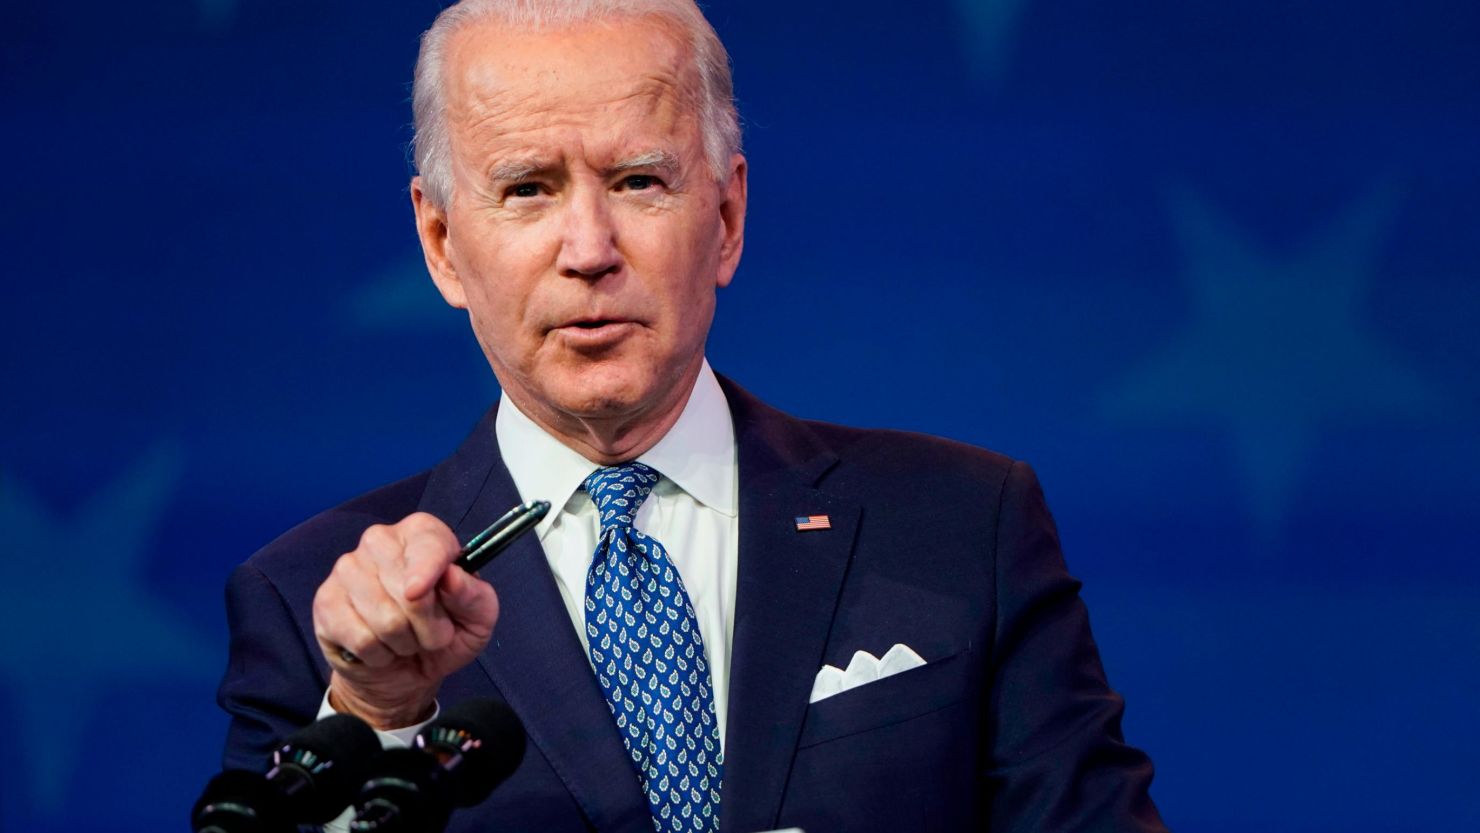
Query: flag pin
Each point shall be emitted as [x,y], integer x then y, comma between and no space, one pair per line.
[810,522]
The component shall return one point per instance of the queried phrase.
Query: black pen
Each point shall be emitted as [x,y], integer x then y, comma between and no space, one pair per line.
[500,534]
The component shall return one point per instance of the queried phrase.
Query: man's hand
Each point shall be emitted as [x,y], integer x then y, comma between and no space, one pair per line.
[408,615]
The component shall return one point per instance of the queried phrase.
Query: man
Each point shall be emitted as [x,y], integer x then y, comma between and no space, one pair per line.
[665,635]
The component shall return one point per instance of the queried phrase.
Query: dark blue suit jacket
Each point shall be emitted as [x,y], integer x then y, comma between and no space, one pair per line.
[946,548]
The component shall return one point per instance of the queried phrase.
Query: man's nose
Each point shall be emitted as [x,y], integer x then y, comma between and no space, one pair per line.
[589,247]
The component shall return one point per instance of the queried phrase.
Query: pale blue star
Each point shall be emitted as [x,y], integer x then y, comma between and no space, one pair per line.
[1276,348]
[402,298]
[78,618]
[988,33]
[216,15]
[401,301]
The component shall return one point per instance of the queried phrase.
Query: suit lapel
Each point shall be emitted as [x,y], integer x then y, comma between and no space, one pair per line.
[535,658]
[786,594]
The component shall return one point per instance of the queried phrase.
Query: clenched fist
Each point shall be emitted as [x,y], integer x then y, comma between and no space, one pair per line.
[411,617]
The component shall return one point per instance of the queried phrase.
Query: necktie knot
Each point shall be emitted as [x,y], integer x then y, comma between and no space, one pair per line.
[618,491]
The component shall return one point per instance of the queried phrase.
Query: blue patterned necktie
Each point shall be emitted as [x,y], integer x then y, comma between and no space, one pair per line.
[649,658]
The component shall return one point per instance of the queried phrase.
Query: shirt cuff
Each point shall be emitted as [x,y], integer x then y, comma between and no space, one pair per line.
[393,738]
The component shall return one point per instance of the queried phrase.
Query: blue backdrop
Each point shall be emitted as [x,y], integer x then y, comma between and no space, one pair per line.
[1210,267]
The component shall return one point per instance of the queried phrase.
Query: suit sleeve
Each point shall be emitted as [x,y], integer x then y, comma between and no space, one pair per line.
[273,685]
[1056,759]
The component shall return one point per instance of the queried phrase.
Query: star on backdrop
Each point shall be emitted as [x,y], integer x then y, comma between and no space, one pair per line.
[402,302]
[1276,348]
[401,297]
[78,580]
[989,29]
[216,15]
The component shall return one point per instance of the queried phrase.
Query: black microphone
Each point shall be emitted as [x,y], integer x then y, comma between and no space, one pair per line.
[314,776]
[456,762]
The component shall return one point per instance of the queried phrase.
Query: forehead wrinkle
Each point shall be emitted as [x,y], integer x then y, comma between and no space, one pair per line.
[507,114]
[516,137]
[492,106]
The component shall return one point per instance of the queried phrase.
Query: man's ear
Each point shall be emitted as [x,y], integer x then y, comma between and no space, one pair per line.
[732,220]
[431,227]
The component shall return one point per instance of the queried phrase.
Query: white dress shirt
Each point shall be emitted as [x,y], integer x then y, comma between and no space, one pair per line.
[693,512]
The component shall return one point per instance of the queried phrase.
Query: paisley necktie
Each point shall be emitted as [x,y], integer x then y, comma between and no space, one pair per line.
[649,658]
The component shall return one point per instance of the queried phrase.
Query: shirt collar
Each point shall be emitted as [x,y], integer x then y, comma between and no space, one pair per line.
[697,454]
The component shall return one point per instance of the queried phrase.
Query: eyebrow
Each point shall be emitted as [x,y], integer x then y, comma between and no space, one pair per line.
[662,159]
[516,169]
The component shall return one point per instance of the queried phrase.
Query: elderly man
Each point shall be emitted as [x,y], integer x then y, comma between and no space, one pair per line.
[674,638]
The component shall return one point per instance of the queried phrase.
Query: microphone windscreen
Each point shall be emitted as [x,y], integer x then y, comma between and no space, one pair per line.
[490,738]
[338,754]
[238,801]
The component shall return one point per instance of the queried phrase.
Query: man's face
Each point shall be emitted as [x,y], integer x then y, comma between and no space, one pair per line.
[586,234]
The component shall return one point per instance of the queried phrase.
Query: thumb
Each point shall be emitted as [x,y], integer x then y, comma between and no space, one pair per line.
[468,600]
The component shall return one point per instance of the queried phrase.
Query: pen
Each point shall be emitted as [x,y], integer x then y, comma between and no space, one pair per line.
[500,534]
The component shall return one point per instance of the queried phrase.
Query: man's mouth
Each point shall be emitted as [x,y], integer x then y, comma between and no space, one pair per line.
[595,333]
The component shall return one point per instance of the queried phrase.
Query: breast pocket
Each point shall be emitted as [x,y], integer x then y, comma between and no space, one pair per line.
[894,699]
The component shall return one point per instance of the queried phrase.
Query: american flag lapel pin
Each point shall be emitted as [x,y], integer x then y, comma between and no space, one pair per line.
[807,523]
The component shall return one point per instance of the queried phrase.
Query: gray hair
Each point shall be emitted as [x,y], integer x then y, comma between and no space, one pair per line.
[431,144]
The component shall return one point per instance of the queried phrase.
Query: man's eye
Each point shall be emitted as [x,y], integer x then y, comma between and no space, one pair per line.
[524,189]
[639,182]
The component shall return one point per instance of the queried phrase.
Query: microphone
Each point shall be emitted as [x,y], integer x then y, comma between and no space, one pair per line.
[457,761]
[313,778]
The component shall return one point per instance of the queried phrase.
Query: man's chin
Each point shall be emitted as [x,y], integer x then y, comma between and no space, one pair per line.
[612,398]
[600,396]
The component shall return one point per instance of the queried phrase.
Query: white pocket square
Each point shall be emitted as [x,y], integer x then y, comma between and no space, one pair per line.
[862,669]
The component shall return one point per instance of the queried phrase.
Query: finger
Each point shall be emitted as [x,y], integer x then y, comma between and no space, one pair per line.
[469,600]
[429,548]
[362,643]
[382,547]
[432,628]
[374,605]
[337,626]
